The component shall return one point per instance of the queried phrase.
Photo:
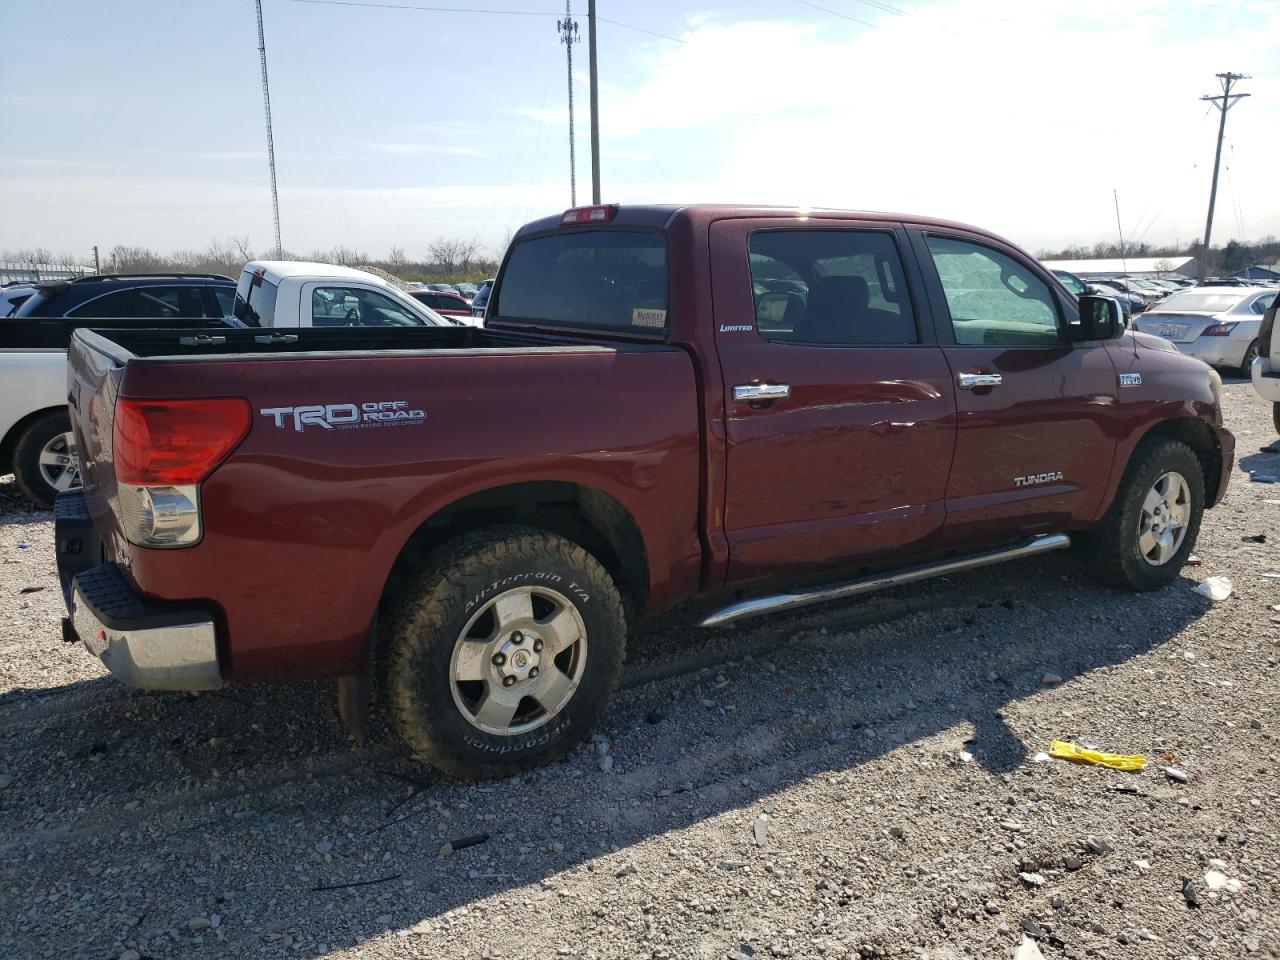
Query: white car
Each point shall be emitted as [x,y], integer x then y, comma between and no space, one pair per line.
[282,293]
[1220,325]
[1266,368]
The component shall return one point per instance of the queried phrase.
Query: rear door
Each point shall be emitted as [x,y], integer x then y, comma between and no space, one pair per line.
[840,422]
[1035,412]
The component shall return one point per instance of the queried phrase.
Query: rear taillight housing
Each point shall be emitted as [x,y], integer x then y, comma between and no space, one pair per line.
[162,450]
[1218,330]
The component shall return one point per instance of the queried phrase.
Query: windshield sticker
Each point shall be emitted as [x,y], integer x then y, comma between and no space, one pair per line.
[345,416]
[644,317]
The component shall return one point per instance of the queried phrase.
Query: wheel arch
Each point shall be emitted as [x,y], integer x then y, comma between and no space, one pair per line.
[19,427]
[583,514]
[1199,436]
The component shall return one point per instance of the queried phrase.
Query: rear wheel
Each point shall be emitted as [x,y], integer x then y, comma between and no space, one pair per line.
[44,458]
[1250,355]
[1275,416]
[1154,521]
[503,649]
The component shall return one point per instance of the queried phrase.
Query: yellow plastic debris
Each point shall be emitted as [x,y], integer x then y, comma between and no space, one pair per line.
[1064,750]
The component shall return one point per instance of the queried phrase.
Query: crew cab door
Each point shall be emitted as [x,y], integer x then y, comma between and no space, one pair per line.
[1034,411]
[840,413]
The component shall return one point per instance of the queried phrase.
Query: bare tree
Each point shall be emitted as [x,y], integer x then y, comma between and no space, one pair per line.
[452,256]
[396,260]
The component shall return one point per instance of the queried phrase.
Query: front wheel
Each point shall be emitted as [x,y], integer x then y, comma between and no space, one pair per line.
[1155,518]
[503,650]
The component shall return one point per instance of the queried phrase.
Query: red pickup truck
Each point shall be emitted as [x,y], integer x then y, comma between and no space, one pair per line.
[771,406]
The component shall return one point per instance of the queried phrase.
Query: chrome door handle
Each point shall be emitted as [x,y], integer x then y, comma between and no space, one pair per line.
[755,392]
[971,381]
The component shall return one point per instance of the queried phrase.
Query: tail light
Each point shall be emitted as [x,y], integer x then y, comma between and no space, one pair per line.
[1218,330]
[598,214]
[162,450]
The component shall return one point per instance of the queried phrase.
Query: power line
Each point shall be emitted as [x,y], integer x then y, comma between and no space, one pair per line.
[837,13]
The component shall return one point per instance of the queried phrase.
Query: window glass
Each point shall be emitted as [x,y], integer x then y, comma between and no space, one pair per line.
[121,303]
[226,300]
[168,303]
[357,307]
[830,287]
[1209,302]
[993,298]
[1070,282]
[1263,302]
[255,300]
[611,279]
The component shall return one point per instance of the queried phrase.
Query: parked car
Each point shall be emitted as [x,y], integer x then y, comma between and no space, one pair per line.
[1220,325]
[1079,287]
[634,428]
[445,304]
[468,290]
[1147,297]
[1266,368]
[481,299]
[284,293]
[158,296]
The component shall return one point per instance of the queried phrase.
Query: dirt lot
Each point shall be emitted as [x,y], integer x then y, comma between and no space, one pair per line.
[856,781]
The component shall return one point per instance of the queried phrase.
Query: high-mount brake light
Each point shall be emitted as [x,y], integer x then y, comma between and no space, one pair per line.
[171,442]
[598,214]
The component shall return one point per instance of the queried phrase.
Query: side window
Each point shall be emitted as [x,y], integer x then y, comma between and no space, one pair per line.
[225,297]
[830,288]
[168,303]
[993,298]
[357,307]
[1263,302]
[112,306]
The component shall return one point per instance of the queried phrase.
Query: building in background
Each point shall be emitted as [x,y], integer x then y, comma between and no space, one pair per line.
[1129,267]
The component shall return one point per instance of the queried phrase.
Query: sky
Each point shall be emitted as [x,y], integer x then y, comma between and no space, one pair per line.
[141,123]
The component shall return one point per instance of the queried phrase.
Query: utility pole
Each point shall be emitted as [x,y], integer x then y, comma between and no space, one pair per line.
[568,29]
[595,103]
[97,266]
[271,147]
[1223,102]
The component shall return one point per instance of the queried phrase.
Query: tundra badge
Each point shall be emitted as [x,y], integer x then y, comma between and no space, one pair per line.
[1037,478]
[1130,379]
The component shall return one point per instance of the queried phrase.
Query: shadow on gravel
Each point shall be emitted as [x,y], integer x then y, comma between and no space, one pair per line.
[143,815]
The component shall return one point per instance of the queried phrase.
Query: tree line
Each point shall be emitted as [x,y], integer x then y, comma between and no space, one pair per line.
[1231,257]
[442,261]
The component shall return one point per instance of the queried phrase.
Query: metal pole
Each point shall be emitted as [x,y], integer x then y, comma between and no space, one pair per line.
[568,36]
[271,147]
[1228,80]
[97,266]
[595,103]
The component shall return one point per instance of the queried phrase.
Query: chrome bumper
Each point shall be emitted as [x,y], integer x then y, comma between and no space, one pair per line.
[144,644]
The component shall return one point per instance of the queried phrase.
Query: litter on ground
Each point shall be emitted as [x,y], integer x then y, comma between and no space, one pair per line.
[1065,750]
[1215,588]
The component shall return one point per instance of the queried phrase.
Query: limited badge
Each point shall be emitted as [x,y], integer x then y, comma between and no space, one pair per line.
[645,317]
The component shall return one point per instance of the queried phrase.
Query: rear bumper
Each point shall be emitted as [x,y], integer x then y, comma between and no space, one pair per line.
[1216,351]
[146,644]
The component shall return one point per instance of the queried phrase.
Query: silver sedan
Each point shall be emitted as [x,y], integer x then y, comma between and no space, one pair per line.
[1217,324]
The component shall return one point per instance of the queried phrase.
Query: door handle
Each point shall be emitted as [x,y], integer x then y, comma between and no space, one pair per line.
[756,392]
[971,381]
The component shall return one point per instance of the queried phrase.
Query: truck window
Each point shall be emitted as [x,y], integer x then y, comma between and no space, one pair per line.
[606,279]
[993,299]
[830,288]
[255,300]
[357,307]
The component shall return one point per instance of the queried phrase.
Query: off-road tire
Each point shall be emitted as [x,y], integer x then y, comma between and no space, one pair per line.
[1275,416]
[1118,561]
[26,455]
[425,620]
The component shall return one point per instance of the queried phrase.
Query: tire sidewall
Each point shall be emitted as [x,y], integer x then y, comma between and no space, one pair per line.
[26,455]
[1158,461]
[449,730]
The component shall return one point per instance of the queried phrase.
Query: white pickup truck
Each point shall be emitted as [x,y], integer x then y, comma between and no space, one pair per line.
[36,443]
[1265,370]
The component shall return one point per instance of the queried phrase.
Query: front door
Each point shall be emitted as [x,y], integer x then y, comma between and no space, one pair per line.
[1035,412]
[840,422]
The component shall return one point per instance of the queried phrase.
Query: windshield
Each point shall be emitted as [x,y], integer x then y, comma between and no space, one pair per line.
[606,279]
[1070,281]
[1201,302]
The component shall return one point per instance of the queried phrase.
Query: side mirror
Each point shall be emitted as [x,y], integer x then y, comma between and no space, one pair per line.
[1101,318]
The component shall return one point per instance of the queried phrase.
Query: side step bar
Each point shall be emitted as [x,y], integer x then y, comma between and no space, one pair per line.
[896,578]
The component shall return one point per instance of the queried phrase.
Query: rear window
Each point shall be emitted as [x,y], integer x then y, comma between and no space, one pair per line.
[1201,302]
[607,279]
[255,300]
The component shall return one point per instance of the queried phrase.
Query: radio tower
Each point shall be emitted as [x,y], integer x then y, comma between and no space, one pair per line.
[271,147]
[568,29]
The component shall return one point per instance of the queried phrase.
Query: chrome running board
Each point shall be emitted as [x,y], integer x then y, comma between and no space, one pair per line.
[896,578]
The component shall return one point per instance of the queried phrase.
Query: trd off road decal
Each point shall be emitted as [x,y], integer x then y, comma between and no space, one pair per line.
[345,416]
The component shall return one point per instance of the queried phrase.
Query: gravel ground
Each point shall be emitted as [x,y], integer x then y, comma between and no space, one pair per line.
[855,781]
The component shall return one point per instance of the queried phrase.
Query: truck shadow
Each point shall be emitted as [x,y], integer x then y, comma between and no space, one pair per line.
[251,805]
